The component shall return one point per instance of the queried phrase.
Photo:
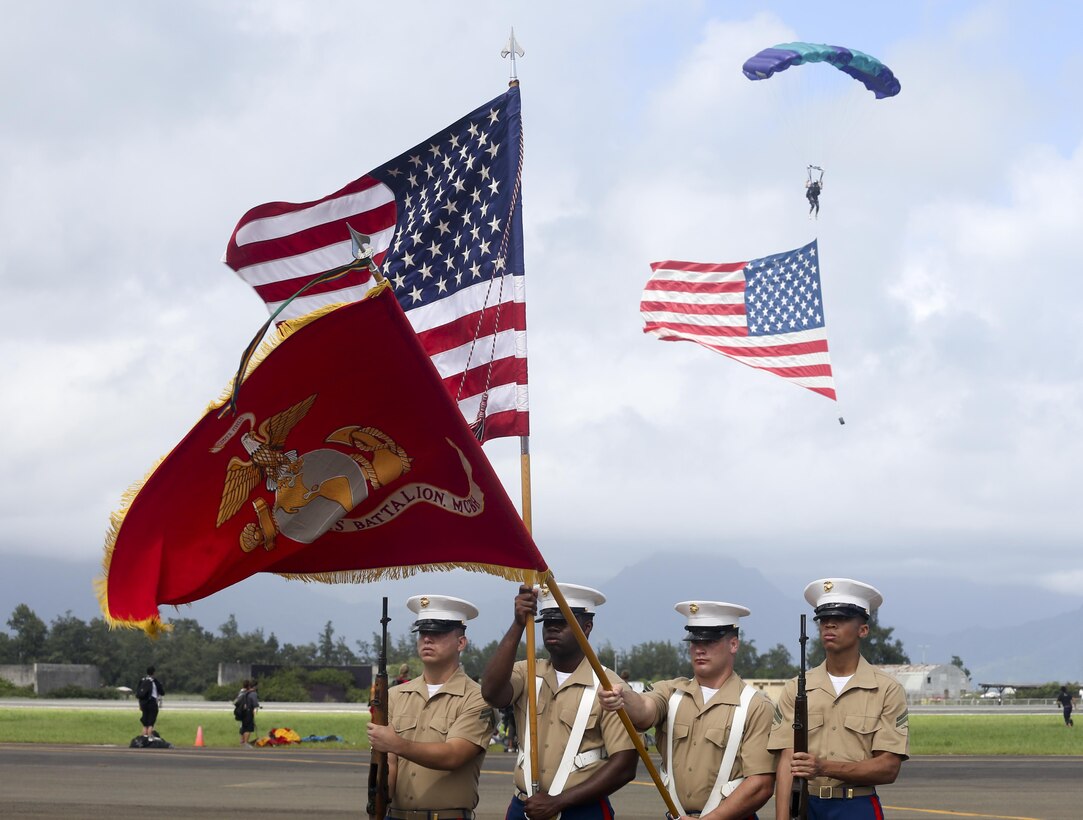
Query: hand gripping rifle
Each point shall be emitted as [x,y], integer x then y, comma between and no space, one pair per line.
[799,786]
[379,796]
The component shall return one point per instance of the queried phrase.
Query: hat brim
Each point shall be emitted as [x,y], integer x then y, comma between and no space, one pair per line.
[434,625]
[840,610]
[708,634]
[558,615]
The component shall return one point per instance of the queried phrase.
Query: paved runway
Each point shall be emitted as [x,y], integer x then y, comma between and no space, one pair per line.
[109,782]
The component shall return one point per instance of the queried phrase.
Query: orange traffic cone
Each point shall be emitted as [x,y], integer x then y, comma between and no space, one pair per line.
[199,736]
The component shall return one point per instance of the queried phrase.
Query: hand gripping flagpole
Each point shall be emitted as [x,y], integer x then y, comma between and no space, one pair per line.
[588,651]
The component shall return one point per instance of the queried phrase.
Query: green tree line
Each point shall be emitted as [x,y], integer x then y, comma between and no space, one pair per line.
[187,656]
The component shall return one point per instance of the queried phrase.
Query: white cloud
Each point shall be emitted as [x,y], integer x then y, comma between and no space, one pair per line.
[948,233]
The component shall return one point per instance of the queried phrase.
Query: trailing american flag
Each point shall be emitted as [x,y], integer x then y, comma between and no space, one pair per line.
[445,221]
[766,313]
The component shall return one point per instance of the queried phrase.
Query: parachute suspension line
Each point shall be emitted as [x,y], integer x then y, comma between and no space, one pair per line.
[478,425]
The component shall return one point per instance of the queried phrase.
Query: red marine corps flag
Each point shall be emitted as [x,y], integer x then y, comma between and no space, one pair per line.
[346,460]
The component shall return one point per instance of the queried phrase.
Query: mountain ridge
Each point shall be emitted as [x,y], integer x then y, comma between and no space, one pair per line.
[986,634]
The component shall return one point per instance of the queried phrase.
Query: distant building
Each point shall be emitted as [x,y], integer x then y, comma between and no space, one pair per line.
[928,681]
[769,686]
[48,677]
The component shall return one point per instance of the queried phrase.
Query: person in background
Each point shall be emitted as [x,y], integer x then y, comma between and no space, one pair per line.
[248,719]
[149,693]
[1065,700]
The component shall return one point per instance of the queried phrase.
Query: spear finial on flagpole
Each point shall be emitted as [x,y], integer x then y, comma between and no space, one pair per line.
[362,250]
[515,50]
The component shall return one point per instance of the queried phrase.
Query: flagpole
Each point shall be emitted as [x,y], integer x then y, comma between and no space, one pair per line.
[531,647]
[512,49]
[588,651]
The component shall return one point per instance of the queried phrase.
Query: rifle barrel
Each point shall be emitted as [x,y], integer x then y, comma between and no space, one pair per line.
[379,798]
[799,785]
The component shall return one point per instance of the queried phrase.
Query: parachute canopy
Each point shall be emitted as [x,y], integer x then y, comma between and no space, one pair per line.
[873,74]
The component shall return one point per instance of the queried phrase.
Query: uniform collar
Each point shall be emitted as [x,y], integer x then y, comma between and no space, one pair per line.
[455,685]
[582,676]
[864,677]
[730,691]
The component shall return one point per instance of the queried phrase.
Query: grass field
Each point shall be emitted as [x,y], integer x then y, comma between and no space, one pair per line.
[110,726]
[929,734]
[993,735]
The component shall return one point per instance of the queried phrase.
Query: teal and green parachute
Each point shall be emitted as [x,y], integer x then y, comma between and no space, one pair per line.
[873,74]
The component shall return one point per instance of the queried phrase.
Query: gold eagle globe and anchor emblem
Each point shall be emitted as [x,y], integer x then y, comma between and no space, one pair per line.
[313,490]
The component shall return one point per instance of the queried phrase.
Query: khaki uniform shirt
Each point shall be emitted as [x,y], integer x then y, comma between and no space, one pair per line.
[456,710]
[556,714]
[701,733]
[869,716]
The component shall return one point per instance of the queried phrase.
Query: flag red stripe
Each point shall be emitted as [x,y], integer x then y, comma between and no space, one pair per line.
[510,370]
[272,209]
[702,330]
[800,349]
[310,239]
[281,291]
[698,267]
[683,286]
[695,310]
[507,423]
[462,329]
[807,371]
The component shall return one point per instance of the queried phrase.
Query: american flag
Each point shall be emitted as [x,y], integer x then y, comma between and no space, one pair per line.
[766,313]
[445,219]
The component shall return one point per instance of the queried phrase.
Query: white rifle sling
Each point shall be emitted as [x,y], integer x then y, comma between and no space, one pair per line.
[667,777]
[572,759]
[524,747]
[724,786]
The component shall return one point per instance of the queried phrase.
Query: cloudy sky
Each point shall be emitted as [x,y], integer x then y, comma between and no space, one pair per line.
[135,134]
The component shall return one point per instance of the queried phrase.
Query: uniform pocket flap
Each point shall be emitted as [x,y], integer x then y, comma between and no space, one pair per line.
[815,721]
[717,736]
[403,723]
[680,730]
[440,723]
[862,724]
[567,717]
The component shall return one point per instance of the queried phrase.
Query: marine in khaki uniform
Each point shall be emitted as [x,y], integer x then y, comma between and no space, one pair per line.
[584,753]
[857,717]
[439,726]
[708,713]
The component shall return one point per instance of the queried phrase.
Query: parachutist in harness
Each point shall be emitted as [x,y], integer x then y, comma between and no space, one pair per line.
[813,186]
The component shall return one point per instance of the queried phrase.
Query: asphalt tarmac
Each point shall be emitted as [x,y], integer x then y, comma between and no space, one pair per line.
[40,781]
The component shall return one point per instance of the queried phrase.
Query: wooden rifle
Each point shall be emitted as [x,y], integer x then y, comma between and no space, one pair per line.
[799,786]
[379,795]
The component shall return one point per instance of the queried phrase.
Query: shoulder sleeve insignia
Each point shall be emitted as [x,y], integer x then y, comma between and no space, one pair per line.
[487,716]
[903,720]
[776,719]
